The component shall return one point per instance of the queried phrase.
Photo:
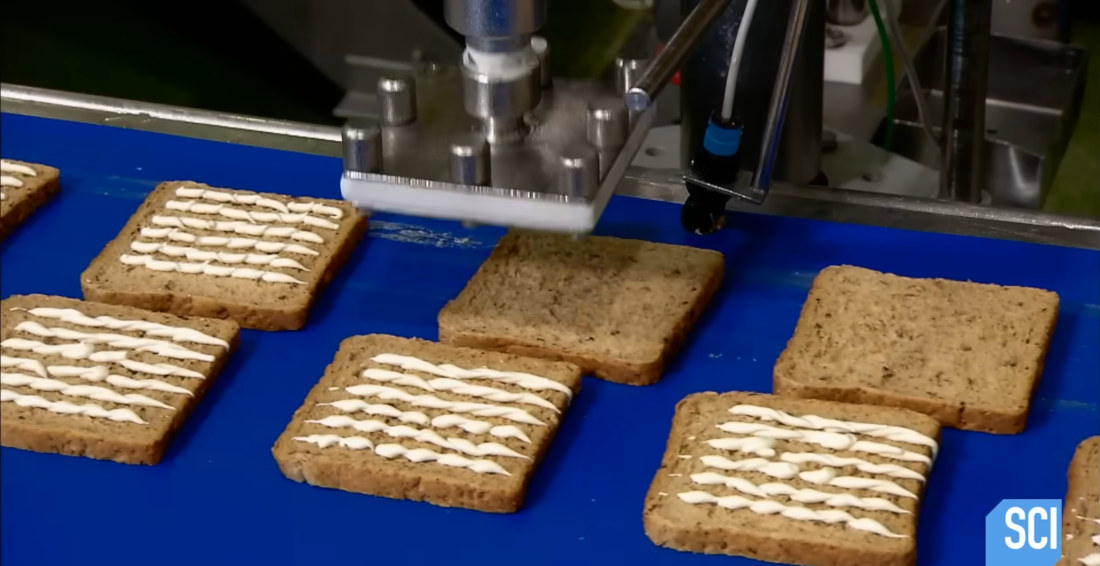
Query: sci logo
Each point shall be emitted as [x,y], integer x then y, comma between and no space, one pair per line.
[1024,532]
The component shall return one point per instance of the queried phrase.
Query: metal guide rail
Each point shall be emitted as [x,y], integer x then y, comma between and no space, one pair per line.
[832,204]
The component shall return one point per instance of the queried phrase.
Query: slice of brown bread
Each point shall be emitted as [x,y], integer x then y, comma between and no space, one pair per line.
[969,354]
[259,259]
[1081,513]
[617,308]
[102,381]
[739,478]
[25,187]
[380,426]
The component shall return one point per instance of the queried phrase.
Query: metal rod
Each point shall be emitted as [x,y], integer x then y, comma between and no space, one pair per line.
[777,108]
[963,157]
[648,86]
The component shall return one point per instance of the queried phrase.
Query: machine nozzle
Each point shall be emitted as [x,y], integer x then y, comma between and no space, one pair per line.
[717,163]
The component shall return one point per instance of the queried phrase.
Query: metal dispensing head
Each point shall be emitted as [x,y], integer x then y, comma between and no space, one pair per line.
[493,139]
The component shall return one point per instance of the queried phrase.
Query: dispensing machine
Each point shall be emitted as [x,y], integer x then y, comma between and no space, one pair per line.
[493,139]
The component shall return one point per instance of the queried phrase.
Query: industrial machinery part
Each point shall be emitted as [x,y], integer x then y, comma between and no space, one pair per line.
[524,175]
[784,199]
[718,162]
[556,151]
[362,148]
[502,78]
[961,166]
[697,22]
[1028,124]
[784,76]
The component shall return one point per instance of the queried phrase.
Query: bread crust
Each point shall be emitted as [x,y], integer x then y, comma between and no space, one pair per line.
[21,203]
[361,471]
[766,537]
[956,413]
[146,446]
[290,314]
[1082,506]
[617,369]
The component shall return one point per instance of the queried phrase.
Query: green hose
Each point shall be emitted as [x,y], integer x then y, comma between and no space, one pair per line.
[891,84]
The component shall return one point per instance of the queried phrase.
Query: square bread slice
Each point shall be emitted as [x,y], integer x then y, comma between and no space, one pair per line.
[1081,513]
[792,481]
[617,308]
[969,354]
[417,420]
[259,259]
[102,381]
[23,188]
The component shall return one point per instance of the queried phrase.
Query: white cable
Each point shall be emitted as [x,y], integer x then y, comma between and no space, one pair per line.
[736,57]
[910,71]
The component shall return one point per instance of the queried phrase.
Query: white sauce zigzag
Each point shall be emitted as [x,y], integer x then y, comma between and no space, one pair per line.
[769,507]
[390,451]
[11,180]
[195,254]
[158,347]
[173,333]
[524,380]
[234,243]
[238,227]
[472,426]
[432,402]
[420,435]
[85,351]
[797,495]
[249,216]
[830,440]
[94,373]
[66,408]
[449,381]
[168,246]
[258,200]
[762,441]
[12,167]
[457,387]
[780,470]
[378,409]
[150,262]
[829,476]
[889,432]
[159,340]
[892,470]
[93,392]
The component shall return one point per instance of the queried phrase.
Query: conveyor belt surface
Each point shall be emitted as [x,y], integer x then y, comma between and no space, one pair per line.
[218,498]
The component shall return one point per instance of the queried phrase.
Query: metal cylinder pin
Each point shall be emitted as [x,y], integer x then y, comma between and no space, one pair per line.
[470,161]
[607,124]
[580,171]
[362,148]
[397,100]
[541,48]
[627,72]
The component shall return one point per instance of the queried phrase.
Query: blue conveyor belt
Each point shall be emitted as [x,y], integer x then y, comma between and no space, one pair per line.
[218,497]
